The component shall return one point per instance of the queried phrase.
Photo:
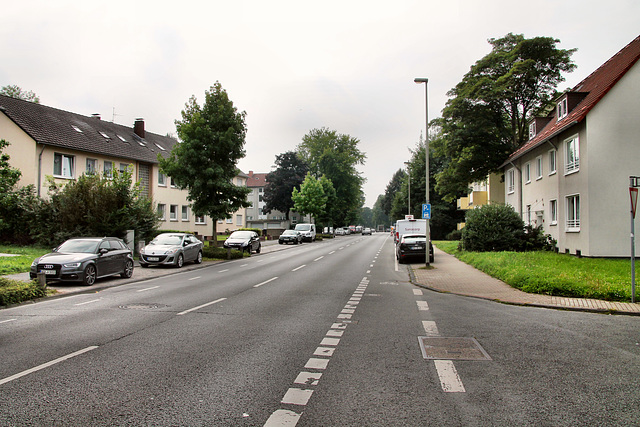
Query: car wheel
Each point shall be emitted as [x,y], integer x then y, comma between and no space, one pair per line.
[180,261]
[259,248]
[199,258]
[128,269]
[281,243]
[89,275]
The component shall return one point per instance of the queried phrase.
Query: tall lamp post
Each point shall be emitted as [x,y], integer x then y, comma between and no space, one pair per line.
[409,189]
[419,80]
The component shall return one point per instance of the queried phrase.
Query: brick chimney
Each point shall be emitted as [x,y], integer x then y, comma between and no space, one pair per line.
[138,127]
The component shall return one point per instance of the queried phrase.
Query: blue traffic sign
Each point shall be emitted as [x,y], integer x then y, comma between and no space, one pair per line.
[426,211]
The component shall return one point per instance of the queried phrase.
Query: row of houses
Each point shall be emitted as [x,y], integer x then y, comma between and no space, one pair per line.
[46,141]
[572,176]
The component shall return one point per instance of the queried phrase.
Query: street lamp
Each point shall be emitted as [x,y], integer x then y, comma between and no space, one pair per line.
[426,150]
[409,189]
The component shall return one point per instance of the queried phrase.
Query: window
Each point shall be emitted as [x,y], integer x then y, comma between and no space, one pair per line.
[108,169]
[123,166]
[532,130]
[104,135]
[538,167]
[185,213]
[92,166]
[527,173]
[260,190]
[562,108]
[122,138]
[229,220]
[239,220]
[552,162]
[162,179]
[260,198]
[572,163]
[63,165]
[173,213]
[239,182]
[173,184]
[200,220]
[511,181]
[554,212]
[76,128]
[156,144]
[220,221]
[162,210]
[573,213]
[527,219]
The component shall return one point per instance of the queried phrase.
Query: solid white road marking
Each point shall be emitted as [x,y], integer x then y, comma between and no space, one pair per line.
[449,378]
[201,306]
[283,418]
[46,365]
[297,396]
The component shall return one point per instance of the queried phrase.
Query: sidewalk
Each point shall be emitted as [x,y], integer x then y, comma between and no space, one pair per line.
[453,276]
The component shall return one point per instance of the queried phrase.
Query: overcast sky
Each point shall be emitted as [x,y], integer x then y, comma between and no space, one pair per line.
[291,65]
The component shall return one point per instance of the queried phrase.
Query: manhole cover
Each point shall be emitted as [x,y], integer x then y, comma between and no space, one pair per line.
[452,348]
[141,306]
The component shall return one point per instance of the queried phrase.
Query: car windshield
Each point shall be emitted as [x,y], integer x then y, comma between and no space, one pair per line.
[241,235]
[414,239]
[167,239]
[303,227]
[289,233]
[79,246]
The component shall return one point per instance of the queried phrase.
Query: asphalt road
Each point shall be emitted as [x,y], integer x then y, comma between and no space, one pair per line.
[330,333]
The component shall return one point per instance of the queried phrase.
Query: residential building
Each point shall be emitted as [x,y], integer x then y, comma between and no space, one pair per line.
[489,191]
[46,141]
[273,223]
[572,176]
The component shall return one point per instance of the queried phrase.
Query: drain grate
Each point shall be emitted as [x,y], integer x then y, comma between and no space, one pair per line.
[141,306]
[452,348]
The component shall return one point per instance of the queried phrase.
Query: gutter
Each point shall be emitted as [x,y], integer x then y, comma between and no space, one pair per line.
[40,169]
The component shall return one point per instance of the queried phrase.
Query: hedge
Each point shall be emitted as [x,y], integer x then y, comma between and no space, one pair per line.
[15,291]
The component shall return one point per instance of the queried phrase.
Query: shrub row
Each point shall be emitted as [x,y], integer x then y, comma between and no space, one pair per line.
[213,252]
[14,291]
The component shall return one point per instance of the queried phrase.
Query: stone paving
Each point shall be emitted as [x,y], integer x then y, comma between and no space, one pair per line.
[452,275]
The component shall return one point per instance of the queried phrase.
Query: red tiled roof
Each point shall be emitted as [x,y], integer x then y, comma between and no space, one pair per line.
[596,85]
[256,179]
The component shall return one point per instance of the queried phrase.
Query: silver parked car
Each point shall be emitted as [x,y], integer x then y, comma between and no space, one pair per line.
[172,249]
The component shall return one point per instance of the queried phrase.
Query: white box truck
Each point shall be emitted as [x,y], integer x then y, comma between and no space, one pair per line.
[409,226]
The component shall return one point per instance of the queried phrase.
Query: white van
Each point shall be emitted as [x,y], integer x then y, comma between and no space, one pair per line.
[308,231]
[409,226]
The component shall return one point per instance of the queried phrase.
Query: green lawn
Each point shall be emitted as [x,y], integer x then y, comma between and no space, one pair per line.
[22,262]
[553,274]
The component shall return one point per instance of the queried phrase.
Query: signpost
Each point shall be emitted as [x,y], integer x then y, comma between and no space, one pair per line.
[634,183]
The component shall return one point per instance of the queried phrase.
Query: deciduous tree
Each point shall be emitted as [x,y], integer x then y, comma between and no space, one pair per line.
[289,173]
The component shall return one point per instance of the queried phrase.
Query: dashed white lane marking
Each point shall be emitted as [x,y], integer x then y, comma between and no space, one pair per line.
[46,365]
[417,292]
[315,363]
[298,268]
[308,378]
[319,258]
[297,396]
[430,328]
[283,418]
[332,252]
[449,378]
[201,306]
[265,282]
[422,305]
[195,278]
[8,320]
[88,302]
[222,271]
[147,289]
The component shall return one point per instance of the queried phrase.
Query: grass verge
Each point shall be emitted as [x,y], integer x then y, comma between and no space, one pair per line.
[550,273]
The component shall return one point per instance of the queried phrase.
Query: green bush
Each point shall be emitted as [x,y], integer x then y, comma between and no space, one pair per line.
[213,252]
[14,292]
[454,235]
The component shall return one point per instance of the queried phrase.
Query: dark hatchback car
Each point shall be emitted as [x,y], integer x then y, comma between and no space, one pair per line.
[85,260]
[290,236]
[244,240]
[412,246]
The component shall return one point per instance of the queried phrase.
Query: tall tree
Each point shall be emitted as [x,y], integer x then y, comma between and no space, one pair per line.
[379,217]
[336,156]
[14,91]
[204,162]
[310,199]
[486,118]
[289,174]
[393,187]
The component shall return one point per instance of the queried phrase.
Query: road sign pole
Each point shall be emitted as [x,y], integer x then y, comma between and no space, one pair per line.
[633,193]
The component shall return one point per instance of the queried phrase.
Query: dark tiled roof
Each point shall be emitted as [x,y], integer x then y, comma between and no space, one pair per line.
[256,180]
[595,86]
[54,127]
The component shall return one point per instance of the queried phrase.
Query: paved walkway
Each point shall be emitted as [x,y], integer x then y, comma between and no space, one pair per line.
[452,275]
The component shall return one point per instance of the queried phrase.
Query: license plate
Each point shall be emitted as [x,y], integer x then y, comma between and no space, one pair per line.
[416,248]
[153,258]
[48,272]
